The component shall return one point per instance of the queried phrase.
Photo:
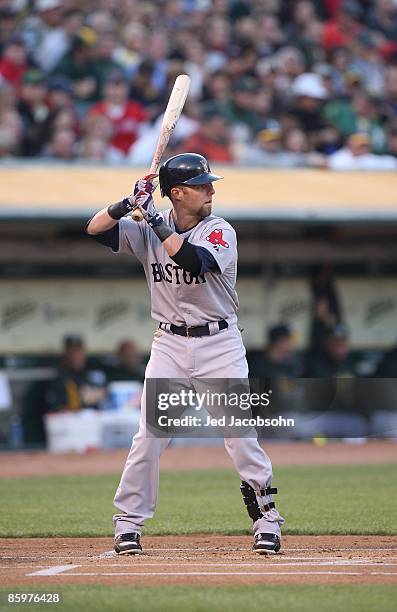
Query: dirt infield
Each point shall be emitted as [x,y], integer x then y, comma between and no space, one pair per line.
[40,463]
[199,559]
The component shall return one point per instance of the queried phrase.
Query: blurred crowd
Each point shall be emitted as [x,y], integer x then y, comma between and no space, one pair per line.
[274,83]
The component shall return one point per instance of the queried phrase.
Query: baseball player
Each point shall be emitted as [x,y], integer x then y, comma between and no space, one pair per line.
[190,261]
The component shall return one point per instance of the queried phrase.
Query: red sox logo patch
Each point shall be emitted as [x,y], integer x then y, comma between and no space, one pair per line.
[216,239]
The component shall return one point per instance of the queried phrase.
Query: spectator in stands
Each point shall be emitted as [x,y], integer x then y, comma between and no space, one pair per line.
[126,116]
[14,61]
[268,150]
[63,117]
[309,94]
[78,66]
[217,88]
[356,155]
[76,386]
[94,149]
[334,360]
[157,49]
[130,50]
[344,27]
[290,63]
[11,127]
[279,358]
[8,23]
[392,142]
[213,139]
[240,110]
[60,93]
[56,31]
[295,141]
[44,32]
[103,22]
[128,364]
[143,90]
[382,17]
[33,109]
[95,144]
[389,106]
[368,62]
[62,145]
[103,60]
[358,114]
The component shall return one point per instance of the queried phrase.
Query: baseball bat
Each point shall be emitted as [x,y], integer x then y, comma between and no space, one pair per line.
[172,113]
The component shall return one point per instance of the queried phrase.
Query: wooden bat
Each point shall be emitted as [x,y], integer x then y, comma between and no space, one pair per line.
[172,113]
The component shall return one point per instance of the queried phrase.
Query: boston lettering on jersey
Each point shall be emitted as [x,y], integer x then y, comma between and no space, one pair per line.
[174,274]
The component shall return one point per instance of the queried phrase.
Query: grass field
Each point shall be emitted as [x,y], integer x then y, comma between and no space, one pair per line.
[264,598]
[357,499]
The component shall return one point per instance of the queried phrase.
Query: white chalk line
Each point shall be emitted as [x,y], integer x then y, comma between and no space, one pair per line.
[54,570]
[271,563]
[268,573]
[271,560]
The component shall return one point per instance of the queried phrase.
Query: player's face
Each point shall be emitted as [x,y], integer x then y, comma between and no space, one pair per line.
[197,199]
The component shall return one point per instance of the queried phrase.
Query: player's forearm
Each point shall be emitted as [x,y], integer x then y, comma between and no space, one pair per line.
[173,244]
[101,222]
[186,255]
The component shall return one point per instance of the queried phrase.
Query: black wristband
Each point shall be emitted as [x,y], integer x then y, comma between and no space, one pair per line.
[162,231]
[119,209]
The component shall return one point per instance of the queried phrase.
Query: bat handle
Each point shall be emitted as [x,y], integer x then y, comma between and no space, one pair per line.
[137,215]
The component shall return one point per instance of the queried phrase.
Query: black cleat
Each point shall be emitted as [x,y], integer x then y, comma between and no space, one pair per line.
[266,543]
[128,544]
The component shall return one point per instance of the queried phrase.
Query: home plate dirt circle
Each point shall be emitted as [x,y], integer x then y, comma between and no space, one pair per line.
[199,559]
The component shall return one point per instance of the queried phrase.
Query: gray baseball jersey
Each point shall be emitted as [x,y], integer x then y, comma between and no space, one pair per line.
[177,296]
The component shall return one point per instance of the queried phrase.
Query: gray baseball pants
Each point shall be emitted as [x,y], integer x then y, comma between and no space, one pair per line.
[218,356]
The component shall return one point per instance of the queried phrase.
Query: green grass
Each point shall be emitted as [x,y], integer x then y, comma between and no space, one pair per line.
[357,499]
[268,598]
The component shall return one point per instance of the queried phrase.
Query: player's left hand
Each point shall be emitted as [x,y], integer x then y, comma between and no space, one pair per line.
[151,216]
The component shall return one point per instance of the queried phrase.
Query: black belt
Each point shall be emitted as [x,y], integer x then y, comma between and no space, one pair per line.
[195,332]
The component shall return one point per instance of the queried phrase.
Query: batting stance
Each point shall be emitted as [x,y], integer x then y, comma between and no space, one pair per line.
[190,261]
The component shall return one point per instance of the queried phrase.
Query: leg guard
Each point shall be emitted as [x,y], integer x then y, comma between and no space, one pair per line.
[250,497]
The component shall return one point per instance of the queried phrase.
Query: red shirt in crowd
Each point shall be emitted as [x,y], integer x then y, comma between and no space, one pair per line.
[337,34]
[12,72]
[213,151]
[126,120]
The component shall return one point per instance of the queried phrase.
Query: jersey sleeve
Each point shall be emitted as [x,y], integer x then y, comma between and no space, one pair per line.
[219,239]
[133,237]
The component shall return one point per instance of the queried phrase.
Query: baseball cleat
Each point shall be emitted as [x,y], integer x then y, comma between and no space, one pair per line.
[128,544]
[266,543]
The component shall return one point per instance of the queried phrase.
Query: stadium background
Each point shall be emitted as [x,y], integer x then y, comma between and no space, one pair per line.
[56,281]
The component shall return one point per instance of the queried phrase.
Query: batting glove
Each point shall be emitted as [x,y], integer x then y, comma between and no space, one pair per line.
[141,197]
[152,217]
[148,184]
